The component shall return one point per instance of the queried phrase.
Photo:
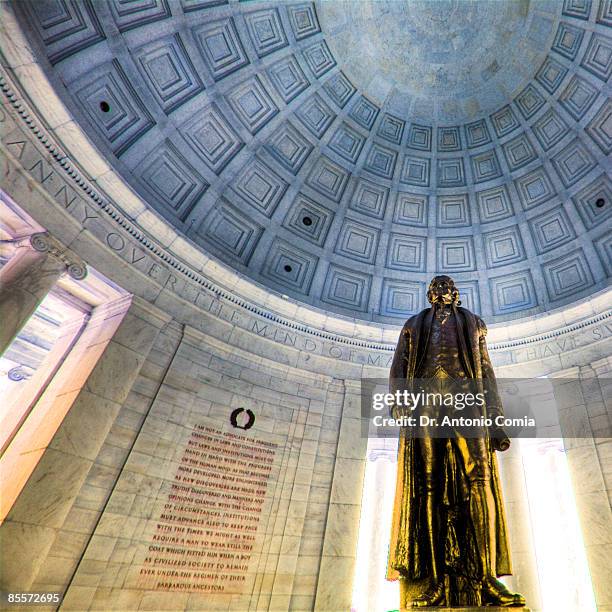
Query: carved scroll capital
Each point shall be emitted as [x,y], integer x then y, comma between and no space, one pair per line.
[18,373]
[43,242]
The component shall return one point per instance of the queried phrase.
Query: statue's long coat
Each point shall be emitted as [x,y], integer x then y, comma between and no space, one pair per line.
[408,528]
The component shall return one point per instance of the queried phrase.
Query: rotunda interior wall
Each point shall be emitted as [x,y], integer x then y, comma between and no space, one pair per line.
[212,340]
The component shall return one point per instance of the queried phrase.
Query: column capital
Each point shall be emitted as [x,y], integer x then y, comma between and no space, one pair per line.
[43,242]
[18,373]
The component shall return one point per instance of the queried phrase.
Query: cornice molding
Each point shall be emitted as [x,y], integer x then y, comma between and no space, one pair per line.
[562,331]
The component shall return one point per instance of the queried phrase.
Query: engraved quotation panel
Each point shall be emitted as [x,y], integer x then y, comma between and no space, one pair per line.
[205,535]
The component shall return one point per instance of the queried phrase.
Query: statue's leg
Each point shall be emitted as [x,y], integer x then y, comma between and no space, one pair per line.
[429,456]
[483,518]
[482,514]
[482,504]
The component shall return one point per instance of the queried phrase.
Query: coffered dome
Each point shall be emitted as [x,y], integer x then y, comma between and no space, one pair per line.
[342,153]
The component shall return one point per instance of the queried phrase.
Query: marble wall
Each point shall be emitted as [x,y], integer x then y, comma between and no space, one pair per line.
[101,496]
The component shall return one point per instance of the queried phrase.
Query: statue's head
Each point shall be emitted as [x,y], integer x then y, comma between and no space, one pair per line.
[442,290]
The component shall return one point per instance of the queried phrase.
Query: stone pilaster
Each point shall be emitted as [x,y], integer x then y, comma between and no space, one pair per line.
[337,569]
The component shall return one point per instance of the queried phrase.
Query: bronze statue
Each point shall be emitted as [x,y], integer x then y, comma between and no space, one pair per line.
[449,542]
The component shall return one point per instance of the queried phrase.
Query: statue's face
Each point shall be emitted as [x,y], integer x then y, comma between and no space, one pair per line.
[442,290]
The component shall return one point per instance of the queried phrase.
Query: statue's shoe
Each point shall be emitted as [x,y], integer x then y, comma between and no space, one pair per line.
[432,597]
[496,593]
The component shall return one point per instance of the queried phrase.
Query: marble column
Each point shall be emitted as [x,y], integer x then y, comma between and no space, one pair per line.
[525,578]
[585,419]
[26,279]
[382,498]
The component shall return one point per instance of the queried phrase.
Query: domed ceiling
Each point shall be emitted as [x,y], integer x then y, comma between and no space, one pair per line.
[342,153]
[438,61]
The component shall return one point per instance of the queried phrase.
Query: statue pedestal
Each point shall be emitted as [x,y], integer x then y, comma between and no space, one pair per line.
[464,609]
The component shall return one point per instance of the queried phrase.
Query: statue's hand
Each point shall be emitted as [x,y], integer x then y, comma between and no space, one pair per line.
[499,439]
